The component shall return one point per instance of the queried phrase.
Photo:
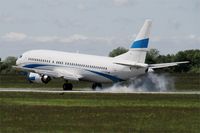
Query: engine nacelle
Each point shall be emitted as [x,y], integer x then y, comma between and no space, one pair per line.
[37,78]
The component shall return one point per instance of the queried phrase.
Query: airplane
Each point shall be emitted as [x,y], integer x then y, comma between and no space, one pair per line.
[45,65]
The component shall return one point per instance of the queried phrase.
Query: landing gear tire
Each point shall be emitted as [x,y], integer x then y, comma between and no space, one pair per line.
[67,86]
[96,85]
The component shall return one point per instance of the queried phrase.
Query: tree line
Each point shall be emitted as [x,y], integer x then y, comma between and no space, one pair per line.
[6,65]
[153,57]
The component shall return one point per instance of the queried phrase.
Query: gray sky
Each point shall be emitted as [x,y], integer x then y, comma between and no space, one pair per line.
[96,26]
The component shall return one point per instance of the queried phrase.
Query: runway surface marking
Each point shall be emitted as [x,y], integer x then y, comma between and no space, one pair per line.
[86,91]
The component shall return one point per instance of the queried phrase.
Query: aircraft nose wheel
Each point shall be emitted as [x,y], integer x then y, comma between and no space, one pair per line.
[67,86]
[96,85]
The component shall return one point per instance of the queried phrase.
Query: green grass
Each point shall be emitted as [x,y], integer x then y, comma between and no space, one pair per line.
[187,82]
[74,112]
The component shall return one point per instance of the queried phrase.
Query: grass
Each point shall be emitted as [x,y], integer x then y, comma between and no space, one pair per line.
[187,82]
[74,112]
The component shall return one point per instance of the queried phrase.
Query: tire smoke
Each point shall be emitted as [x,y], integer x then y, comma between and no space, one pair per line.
[151,82]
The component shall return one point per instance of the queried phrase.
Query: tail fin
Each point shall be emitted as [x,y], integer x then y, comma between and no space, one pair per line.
[138,50]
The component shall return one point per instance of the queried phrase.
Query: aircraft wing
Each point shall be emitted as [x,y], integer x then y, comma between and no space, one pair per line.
[56,73]
[162,65]
[67,74]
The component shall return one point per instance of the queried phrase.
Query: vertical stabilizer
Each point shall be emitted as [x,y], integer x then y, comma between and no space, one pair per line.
[138,49]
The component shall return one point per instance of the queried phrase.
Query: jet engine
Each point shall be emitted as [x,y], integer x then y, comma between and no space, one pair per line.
[37,78]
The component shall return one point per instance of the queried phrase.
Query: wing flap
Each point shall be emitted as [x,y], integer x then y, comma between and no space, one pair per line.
[68,75]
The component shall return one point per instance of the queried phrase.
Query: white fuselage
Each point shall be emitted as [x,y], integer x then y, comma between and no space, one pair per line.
[91,68]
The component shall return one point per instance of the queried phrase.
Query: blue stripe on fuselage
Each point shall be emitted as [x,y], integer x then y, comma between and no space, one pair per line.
[113,78]
[35,65]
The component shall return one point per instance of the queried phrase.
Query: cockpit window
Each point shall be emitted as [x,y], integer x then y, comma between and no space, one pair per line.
[20,56]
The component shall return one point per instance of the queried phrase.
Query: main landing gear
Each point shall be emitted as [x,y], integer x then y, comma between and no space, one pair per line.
[96,85]
[67,86]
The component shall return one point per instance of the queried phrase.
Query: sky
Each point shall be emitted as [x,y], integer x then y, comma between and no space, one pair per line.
[96,26]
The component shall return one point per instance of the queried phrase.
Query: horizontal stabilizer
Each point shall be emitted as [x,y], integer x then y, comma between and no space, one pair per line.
[162,65]
[132,64]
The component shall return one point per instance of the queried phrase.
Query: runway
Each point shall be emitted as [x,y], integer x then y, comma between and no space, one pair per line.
[90,91]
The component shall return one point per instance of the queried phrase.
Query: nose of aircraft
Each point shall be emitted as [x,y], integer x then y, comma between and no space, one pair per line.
[17,62]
